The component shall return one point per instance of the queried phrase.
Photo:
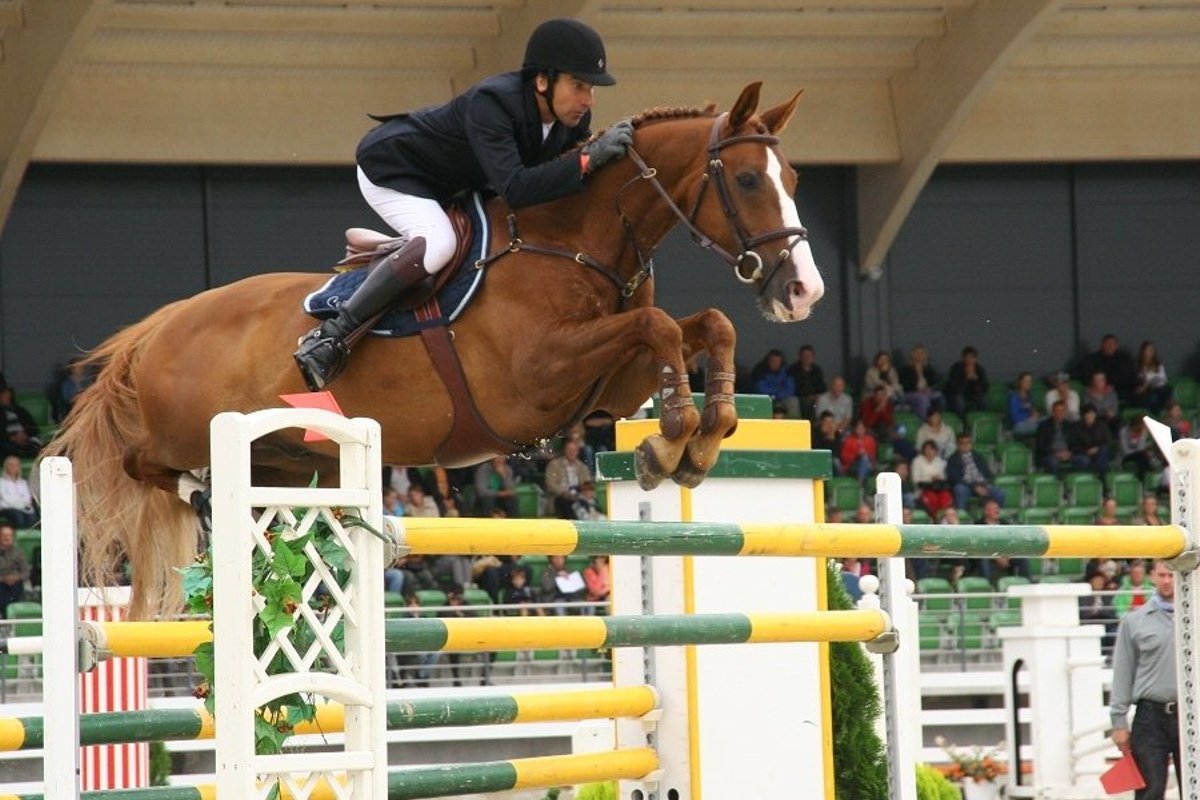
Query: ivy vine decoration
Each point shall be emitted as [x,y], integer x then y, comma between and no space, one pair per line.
[279,579]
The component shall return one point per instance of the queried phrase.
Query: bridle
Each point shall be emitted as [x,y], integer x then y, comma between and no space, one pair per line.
[715,175]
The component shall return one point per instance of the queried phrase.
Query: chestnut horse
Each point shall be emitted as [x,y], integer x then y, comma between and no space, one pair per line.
[550,338]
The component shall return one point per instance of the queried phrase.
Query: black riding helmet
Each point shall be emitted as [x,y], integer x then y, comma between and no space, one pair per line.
[567,45]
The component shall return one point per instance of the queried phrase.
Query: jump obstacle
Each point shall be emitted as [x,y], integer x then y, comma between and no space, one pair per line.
[657,539]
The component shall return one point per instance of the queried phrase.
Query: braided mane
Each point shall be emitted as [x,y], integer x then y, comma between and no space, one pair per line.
[661,113]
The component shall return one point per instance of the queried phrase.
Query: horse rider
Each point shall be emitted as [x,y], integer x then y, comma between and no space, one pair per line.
[507,133]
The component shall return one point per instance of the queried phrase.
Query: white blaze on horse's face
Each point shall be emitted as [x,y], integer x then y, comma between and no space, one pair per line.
[806,286]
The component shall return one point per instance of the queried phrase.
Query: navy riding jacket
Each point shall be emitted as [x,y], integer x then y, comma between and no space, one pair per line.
[489,138]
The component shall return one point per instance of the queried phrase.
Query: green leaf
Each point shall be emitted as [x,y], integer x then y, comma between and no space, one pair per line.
[288,561]
[205,665]
[273,794]
[332,552]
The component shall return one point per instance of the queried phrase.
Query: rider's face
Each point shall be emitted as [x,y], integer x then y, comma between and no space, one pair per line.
[572,98]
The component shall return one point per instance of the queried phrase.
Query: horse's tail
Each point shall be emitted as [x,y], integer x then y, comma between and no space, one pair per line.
[123,522]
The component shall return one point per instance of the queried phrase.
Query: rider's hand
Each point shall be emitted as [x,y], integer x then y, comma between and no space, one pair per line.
[609,145]
[1120,737]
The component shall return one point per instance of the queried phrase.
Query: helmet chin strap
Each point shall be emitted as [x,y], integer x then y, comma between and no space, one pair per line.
[548,95]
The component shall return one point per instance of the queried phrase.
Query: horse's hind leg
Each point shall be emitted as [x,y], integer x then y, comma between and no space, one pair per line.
[711,332]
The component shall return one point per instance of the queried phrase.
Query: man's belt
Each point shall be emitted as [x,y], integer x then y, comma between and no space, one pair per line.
[1171,708]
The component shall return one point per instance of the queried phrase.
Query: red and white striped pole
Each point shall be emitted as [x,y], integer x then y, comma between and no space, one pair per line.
[118,684]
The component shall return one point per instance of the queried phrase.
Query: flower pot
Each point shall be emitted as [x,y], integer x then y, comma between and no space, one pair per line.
[987,790]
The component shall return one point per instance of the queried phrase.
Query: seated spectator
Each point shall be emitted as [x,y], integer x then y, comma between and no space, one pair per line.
[585,505]
[809,380]
[1135,588]
[393,506]
[452,570]
[1023,415]
[1180,425]
[877,413]
[837,402]
[564,475]
[967,384]
[519,593]
[1108,512]
[20,431]
[828,437]
[860,453]
[1001,566]
[420,504]
[1101,396]
[14,570]
[1061,390]
[16,499]
[561,585]
[595,577]
[929,478]
[1096,608]
[937,431]
[1097,441]
[1119,368]
[908,494]
[1135,446]
[864,514]
[1148,513]
[68,384]
[850,575]
[882,373]
[1150,389]
[600,432]
[774,381]
[920,383]
[1060,446]
[969,474]
[495,487]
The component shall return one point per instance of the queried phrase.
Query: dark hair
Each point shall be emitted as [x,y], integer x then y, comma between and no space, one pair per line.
[969,350]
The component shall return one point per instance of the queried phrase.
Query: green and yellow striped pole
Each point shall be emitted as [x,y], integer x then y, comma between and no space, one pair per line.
[466,536]
[182,724]
[486,634]
[446,781]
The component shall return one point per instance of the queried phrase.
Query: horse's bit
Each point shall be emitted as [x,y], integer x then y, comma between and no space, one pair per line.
[715,174]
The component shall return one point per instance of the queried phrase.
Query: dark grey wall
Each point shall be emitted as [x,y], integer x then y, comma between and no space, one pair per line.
[1027,263]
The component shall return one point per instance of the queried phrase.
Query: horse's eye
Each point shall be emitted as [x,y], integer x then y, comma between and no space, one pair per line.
[747,180]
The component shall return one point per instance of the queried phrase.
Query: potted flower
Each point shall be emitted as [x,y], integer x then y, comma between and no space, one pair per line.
[976,768]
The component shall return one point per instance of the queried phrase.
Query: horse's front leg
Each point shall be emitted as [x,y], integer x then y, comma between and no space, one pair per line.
[709,331]
[612,348]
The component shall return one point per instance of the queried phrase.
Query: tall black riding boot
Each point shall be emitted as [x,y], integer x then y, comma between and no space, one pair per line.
[324,350]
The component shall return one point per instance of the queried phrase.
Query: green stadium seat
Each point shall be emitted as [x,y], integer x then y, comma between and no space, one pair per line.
[1036,516]
[930,631]
[29,540]
[1186,392]
[476,597]
[921,517]
[1084,489]
[843,493]
[1072,567]
[985,428]
[1003,584]
[38,406]
[393,600]
[430,598]
[529,501]
[1013,487]
[1074,515]
[996,399]
[1005,618]
[25,610]
[1125,488]
[975,585]
[968,632]
[953,421]
[1133,412]
[938,606]
[1045,491]
[1057,579]
[1013,458]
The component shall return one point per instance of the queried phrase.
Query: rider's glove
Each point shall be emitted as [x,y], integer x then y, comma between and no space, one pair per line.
[608,145]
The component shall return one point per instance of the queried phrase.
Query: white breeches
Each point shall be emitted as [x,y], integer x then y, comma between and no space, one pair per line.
[413,216]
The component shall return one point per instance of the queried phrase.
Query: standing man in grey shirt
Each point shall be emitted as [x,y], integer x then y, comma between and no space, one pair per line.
[1144,674]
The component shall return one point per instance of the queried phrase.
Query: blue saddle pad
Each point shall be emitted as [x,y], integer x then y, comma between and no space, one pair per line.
[453,297]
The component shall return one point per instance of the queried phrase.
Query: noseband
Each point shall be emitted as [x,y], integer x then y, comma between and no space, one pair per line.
[715,174]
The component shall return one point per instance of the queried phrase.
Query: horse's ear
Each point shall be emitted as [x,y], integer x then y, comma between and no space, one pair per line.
[745,106]
[776,119]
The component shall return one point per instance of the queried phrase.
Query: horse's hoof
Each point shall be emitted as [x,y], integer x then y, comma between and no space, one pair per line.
[646,467]
[687,474]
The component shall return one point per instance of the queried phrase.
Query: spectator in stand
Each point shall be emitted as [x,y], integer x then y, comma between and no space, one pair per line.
[1001,566]
[774,381]
[809,380]
[969,474]
[828,437]
[564,475]
[69,383]
[16,500]
[936,430]
[1060,446]
[1023,415]
[882,373]
[14,570]
[1101,395]
[1150,389]
[1135,446]
[864,514]
[929,478]
[1180,425]
[877,413]
[860,453]
[850,577]
[1117,365]
[838,402]
[420,504]
[20,431]
[967,384]
[495,487]
[1061,390]
[595,577]
[585,505]
[1097,440]
[1108,512]
[519,593]
[562,585]
[1148,513]
[920,382]
[908,493]
[393,506]
[1097,607]
[1135,588]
